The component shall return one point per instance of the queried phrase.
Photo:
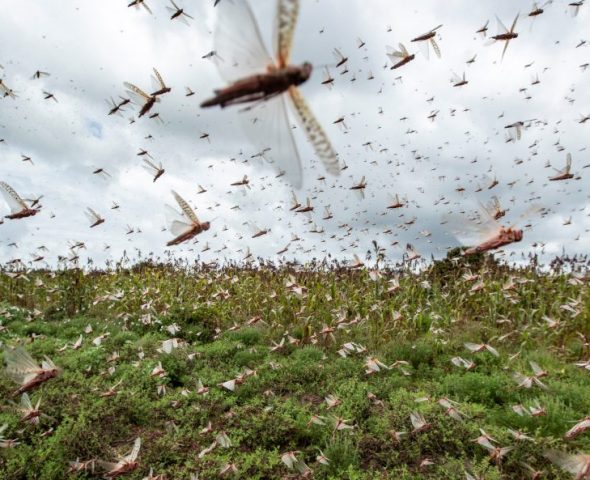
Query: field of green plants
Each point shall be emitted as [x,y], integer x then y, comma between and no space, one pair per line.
[283,372]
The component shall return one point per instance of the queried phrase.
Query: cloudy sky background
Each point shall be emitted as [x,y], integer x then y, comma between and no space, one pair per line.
[91,48]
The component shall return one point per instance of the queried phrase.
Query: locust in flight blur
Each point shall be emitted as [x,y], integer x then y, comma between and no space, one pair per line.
[493,235]
[505,35]
[21,368]
[18,207]
[565,173]
[427,39]
[184,226]
[399,57]
[144,100]
[259,81]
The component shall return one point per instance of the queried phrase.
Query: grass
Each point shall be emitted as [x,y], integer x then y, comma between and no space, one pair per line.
[229,321]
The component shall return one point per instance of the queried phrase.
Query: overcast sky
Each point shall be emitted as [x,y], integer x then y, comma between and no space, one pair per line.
[91,48]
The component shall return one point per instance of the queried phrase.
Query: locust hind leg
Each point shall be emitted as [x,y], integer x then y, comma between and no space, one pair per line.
[260,101]
[253,97]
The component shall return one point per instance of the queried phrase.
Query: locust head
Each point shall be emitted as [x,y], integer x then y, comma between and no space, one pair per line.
[300,74]
[513,235]
[306,70]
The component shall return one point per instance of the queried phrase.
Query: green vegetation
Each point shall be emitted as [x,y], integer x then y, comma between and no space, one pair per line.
[280,333]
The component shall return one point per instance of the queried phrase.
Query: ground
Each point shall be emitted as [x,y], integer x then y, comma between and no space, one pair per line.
[290,338]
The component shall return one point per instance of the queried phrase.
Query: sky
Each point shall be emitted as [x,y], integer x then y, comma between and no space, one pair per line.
[442,168]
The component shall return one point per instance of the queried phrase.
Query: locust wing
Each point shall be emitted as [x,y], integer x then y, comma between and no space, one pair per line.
[237,39]
[157,81]
[395,55]
[20,366]
[267,126]
[286,20]
[138,96]
[501,28]
[151,167]
[91,215]
[570,463]
[531,211]
[134,452]
[314,132]
[144,5]
[25,402]
[186,209]
[47,363]
[424,47]
[435,47]
[475,232]
[514,22]
[176,225]
[12,198]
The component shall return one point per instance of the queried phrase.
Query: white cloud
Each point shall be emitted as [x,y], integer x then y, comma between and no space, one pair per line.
[91,48]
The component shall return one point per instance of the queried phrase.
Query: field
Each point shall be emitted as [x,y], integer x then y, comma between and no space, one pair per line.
[327,363]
